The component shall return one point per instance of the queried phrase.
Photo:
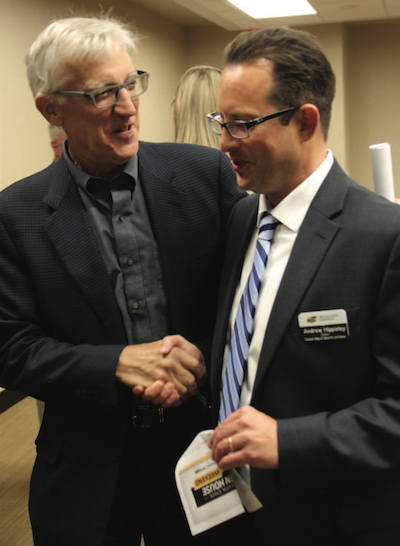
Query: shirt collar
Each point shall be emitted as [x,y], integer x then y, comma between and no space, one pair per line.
[81,177]
[292,209]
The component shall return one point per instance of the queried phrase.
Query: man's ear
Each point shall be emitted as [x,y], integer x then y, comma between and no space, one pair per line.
[48,108]
[308,121]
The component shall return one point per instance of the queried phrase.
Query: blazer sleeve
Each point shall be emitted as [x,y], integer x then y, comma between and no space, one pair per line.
[34,360]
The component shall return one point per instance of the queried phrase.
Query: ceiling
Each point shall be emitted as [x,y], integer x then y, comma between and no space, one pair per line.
[223,14]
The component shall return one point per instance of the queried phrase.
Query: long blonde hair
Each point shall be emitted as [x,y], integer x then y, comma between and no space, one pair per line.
[195,97]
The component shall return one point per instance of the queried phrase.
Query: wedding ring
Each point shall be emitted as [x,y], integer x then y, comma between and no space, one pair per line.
[230,444]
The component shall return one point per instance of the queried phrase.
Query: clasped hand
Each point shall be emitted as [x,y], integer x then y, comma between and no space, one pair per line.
[164,372]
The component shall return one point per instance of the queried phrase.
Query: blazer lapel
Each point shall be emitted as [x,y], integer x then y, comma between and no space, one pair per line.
[317,232]
[73,240]
[165,201]
[167,206]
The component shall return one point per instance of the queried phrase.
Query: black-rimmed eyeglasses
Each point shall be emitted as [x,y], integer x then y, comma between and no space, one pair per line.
[104,97]
[241,129]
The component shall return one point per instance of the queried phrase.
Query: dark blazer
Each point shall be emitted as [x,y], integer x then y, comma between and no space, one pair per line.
[337,402]
[61,329]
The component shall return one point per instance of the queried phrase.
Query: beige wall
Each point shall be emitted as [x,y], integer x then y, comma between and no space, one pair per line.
[365,58]
[373,96]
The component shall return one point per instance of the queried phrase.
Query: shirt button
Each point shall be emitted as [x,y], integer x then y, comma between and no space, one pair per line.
[121,219]
[130,261]
[136,305]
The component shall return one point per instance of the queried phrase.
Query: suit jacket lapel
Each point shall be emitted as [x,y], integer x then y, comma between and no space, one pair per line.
[317,232]
[72,237]
[166,202]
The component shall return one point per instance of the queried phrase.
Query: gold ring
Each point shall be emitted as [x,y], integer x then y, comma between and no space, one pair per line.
[230,444]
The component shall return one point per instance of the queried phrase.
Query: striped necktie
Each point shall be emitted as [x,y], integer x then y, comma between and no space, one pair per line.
[243,327]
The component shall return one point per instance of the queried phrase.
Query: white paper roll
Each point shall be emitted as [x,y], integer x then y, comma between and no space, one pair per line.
[382,170]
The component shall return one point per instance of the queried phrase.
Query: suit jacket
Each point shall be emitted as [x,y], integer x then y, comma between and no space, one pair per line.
[337,402]
[61,329]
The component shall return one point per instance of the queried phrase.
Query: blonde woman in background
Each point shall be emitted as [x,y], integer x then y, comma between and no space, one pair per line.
[195,97]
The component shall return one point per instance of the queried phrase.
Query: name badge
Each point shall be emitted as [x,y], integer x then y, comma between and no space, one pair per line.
[327,325]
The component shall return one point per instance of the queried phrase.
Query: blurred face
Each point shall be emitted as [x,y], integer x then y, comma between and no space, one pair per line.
[100,141]
[268,161]
[57,145]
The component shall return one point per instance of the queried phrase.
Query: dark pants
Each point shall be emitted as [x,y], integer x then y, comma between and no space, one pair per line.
[146,501]
[269,528]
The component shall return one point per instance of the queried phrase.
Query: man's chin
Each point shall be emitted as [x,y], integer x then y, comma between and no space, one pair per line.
[127,152]
[243,183]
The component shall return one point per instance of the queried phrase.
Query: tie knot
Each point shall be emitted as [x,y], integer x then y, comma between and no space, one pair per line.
[267,227]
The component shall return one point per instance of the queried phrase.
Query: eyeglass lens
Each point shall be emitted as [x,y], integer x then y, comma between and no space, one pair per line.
[109,95]
[236,130]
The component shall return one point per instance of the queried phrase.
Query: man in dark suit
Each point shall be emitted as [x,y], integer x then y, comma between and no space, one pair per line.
[102,255]
[317,426]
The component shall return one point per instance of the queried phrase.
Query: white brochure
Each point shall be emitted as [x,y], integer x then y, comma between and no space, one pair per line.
[209,495]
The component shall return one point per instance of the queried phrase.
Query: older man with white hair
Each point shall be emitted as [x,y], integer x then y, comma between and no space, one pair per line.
[102,255]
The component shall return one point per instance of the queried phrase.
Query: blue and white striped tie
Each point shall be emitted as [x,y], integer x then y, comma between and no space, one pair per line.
[243,328]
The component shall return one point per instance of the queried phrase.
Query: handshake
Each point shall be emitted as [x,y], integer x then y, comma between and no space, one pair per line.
[164,372]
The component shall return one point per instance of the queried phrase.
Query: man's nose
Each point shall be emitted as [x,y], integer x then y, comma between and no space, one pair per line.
[227,142]
[125,103]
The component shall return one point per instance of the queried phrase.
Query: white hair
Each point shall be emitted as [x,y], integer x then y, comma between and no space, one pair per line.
[73,39]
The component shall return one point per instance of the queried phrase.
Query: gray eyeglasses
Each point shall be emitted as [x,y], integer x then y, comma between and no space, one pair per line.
[241,129]
[109,95]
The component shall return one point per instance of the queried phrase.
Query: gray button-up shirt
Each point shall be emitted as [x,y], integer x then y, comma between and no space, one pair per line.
[118,216]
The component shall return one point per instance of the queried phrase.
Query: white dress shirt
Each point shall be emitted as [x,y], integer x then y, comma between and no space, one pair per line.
[290,212]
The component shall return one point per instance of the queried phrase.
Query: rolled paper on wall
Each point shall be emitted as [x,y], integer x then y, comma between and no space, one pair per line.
[382,170]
